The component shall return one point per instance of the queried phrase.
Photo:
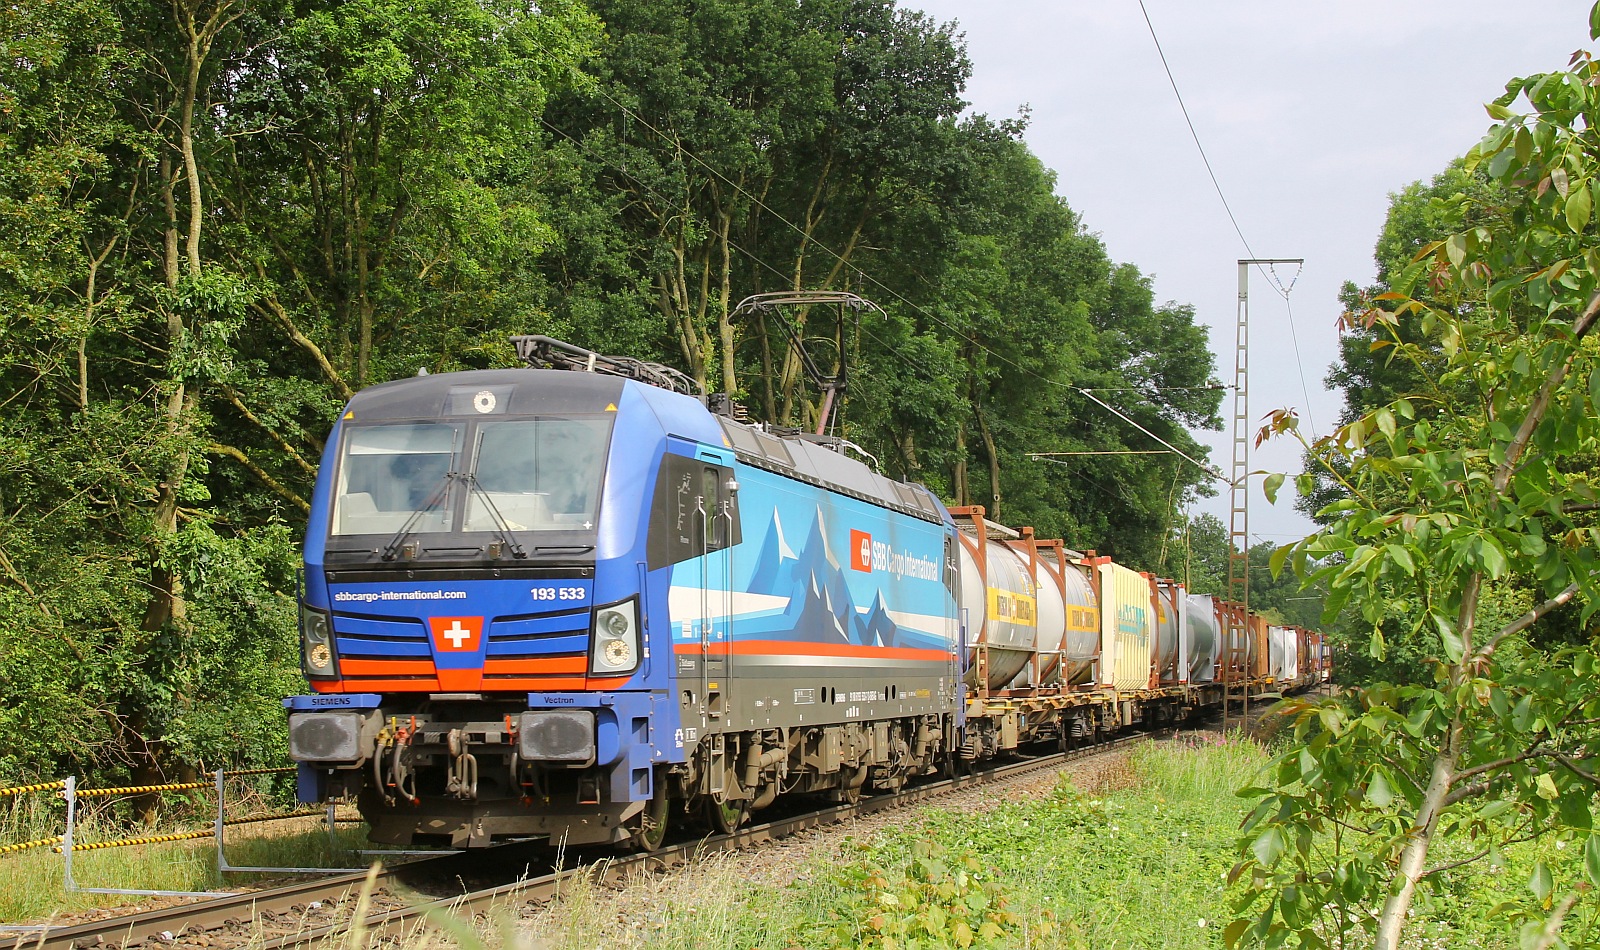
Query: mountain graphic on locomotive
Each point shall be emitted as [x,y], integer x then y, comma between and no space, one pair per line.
[570,603]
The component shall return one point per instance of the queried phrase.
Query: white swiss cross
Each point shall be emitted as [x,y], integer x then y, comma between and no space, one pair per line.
[456,634]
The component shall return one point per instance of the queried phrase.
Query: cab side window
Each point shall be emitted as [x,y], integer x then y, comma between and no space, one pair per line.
[693,512]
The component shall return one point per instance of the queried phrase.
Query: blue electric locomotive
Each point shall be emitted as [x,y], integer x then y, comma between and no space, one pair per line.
[546,603]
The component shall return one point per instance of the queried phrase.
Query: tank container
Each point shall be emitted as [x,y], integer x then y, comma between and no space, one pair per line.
[1052,619]
[1201,655]
[1069,624]
[1081,646]
[1257,627]
[1169,625]
[1280,650]
[1302,652]
[1000,609]
[1244,646]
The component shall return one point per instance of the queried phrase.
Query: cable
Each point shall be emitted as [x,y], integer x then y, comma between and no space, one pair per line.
[1304,389]
[1214,473]
[1196,136]
[1271,274]
[1098,483]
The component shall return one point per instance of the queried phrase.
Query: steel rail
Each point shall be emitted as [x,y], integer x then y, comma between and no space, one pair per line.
[210,914]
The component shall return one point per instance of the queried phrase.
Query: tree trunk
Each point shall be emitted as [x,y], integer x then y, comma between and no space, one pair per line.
[994,462]
[908,455]
[191,167]
[958,479]
[165,607]
[730,383]
[1435,798]
[768,402]
[1414,857]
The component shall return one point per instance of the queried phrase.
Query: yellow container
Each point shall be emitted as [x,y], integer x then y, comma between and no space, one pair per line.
[1127,628]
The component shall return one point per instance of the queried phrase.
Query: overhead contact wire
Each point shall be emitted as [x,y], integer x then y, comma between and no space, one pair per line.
[1272,276]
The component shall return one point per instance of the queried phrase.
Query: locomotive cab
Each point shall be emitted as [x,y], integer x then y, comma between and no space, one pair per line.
[475,624]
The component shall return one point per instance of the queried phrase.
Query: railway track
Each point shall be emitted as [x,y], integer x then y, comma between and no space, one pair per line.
[400,899]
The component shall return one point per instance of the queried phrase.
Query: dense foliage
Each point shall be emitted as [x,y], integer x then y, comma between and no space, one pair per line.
[218,219]
[1462,528]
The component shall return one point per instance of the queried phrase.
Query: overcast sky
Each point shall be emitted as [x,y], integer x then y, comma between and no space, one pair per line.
[1312,115]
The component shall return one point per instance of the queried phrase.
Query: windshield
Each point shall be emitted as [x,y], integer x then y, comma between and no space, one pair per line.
[539,474]
[391,472]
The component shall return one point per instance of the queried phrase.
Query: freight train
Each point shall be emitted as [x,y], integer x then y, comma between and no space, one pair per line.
[575,604]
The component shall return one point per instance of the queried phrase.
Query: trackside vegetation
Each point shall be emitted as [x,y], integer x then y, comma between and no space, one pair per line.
[32,883]
[1138,858]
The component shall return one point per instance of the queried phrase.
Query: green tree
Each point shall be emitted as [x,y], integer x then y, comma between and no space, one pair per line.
[218,219]
[1454,201]
[1462,497]
[173,172]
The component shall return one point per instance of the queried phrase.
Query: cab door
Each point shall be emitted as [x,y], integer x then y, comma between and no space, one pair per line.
[694,525]
[716,527]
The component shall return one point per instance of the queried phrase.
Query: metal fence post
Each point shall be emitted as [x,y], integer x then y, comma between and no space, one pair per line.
[330,819]
[71,792]
[216,834]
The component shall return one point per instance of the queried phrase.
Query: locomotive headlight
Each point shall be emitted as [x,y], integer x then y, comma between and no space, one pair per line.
[615,645]
[316,644]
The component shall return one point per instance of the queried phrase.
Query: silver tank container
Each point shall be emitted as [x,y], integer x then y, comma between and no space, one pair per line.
[1052,615]
[1081,647]
[1069,620]
[1241,647]
[1203,638]
[1167,630]
[999,610]
[1280,655]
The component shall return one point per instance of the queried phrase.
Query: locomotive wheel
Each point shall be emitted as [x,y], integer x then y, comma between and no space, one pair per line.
[652,833]
[850,792]
[726,817]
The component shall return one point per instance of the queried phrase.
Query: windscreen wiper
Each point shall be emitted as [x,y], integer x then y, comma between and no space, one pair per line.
[501,525]
[392,549]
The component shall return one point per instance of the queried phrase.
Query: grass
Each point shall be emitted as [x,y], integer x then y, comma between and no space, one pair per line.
[1136,860]
[32,883]
[1134,857]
